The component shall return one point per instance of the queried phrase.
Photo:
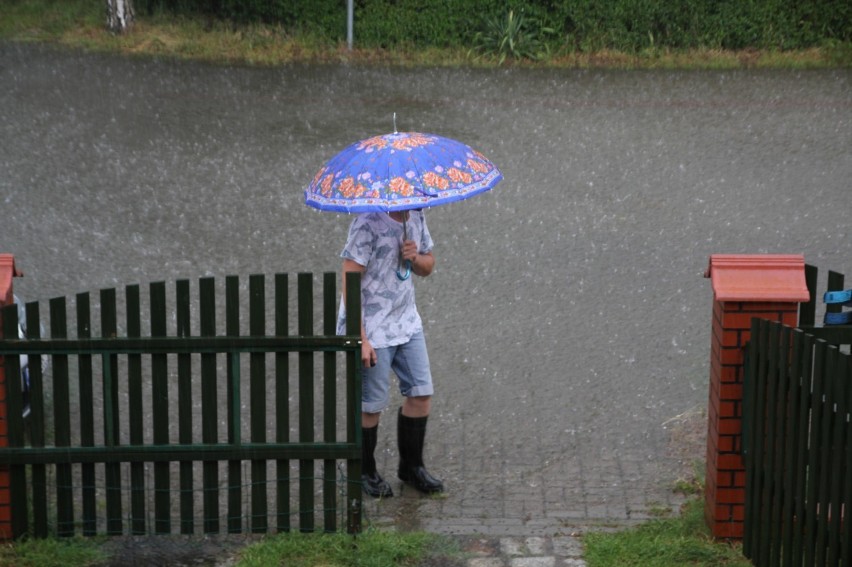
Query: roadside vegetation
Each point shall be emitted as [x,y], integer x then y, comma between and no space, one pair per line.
[664,542]
[575,33]
[52,552]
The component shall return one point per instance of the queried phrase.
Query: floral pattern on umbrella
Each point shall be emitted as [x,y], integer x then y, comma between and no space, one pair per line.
[400,171]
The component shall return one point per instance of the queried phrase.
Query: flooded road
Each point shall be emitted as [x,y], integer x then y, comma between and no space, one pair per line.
[568,318]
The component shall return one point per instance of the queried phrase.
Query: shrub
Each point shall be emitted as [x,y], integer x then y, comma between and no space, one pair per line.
[512,35]
[586,25]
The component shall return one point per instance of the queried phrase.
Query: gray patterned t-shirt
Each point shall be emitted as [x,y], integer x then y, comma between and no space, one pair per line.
[387,303]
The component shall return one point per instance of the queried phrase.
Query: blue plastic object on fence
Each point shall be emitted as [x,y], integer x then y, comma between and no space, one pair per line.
[842,297]
[844,318]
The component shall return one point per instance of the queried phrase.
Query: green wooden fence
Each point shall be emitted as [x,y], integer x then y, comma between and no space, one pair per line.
[140,431]
[797,441]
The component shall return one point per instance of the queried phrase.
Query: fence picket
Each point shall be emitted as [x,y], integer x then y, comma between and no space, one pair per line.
[209,409]
[778,446]
[306,401]
[807,310]
[257,387]
[824,447]
[160,406]
[835,282]
[757,475]
[61,421]
[135,411]
[767,440]
[835,491]
[37,427]
[282,401]
[329,401]
[109,362]
[184,378]
[232,329]
[812,489]
[791,444]
[846,539]
[802,452]
[353,397]
[87,415]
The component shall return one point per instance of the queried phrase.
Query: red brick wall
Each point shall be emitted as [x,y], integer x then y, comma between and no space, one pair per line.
[725,476]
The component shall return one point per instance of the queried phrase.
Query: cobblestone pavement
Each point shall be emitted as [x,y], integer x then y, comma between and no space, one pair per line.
[511,513]
[502,512]
[558,551]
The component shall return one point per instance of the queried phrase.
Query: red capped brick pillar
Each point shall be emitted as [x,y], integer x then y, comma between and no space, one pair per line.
[7,272]
[744,286]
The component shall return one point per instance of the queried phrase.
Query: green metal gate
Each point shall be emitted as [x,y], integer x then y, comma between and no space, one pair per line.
[138,427]
[797,440]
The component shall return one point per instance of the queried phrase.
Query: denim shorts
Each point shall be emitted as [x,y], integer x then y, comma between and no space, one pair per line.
[410,363]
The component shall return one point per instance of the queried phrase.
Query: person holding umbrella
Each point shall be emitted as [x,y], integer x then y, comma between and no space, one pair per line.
[392,339]
[388,180]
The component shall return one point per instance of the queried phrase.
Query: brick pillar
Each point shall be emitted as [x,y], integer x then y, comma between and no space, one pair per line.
[7,272]
[744,287]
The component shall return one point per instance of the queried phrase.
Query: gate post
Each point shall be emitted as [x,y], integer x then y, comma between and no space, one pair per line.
[7,272]
[768,286]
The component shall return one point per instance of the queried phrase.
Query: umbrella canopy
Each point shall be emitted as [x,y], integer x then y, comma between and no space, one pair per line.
[400,171]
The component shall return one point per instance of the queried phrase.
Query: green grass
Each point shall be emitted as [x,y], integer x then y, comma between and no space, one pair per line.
[51,553]
[665,542]
[373,548]
[81,24]
[49,20]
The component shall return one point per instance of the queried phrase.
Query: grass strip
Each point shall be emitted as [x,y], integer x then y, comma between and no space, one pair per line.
[373,548]
[664,542]
[52,552]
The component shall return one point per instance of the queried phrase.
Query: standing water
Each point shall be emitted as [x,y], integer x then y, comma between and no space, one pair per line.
[567,318]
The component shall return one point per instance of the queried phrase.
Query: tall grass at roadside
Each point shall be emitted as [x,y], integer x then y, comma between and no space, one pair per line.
[664,542]
[81,24]
[514,36]
[49,20]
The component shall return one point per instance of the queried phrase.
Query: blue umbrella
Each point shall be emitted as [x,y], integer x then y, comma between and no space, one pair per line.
[399,172]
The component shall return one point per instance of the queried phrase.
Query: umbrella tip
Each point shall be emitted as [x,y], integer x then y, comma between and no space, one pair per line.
[394,123]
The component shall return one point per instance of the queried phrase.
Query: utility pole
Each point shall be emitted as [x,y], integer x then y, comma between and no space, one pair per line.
[350,18]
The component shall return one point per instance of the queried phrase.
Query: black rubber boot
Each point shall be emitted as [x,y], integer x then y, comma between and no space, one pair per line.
[411,436]
[371,480]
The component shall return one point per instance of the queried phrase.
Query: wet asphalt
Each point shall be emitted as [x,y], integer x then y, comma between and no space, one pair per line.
[568,318]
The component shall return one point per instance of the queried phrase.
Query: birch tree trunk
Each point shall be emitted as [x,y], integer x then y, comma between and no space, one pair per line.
[119,15]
